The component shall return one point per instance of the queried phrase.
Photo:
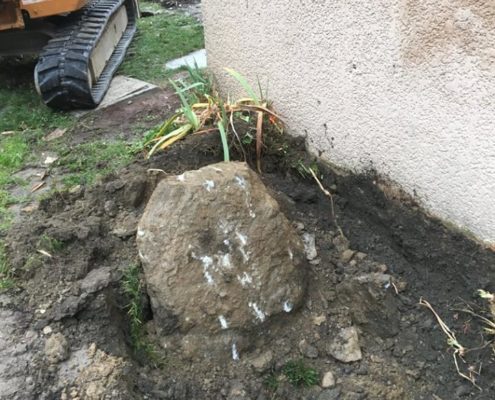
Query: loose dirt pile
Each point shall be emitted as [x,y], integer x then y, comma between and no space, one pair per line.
[66,331]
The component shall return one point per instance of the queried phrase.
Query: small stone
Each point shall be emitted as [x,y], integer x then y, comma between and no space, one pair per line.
[462,390]
[413,373]
[382,268]
[56,348]
[263,362]
[96,280]
[75,189]
[110,208]
[400,285]
[347,255]
[330,394]
[47,330]
[319,319]
[307,349]
[299,226]
[309,241]
[345,347]
[341,243]
[328,380]
[361,256]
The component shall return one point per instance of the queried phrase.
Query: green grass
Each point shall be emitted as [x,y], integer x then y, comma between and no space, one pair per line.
[161,38]
[23,113]
[132,286]
[87,161]
[50,244]
[299,374]
[271,381]
[6,279]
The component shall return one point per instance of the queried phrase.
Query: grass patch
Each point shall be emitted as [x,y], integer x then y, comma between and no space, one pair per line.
[132,286]
[299,374]
[23,114]
[50,244]
[6,279]
[161,38]
[271,382]
[87,161]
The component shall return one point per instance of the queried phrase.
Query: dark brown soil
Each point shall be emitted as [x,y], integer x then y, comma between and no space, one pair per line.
[405,353]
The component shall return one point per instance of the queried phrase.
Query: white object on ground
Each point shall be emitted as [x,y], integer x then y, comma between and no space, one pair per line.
[198,56]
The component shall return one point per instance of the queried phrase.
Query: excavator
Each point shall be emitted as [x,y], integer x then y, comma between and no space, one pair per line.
[79,44]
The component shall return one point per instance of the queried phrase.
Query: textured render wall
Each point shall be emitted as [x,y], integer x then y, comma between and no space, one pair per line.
[406,87]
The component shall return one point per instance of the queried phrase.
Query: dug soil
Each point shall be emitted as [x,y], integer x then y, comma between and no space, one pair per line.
[65,331]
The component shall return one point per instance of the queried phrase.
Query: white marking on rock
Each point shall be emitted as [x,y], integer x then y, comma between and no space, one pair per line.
[291,255]
[223,322]
[243,242]
[252,214]
[225,261]
[241,182]
[207,262]
[209,185]
[242,238]
[141,233]
[245,279]
[235,353]
[142,256]
[288,306]
[244,254]
[181,178]
[259,313]
[226,242]
[224,226]
[209,278]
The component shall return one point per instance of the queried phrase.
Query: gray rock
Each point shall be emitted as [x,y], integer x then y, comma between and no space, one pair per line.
[217,252]
[307,350]
[374,308]
[345,347]
[96,280]
[263,362]
[56,348]
[237,391]
[329,394]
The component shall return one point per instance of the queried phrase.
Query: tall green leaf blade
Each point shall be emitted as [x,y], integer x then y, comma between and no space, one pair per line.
[245,84]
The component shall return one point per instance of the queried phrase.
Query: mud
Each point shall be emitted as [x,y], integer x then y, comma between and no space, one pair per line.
[370,276]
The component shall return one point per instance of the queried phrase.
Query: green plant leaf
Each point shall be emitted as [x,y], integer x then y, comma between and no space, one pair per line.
[186,107]
[225,144]
[178,133]
[245,84]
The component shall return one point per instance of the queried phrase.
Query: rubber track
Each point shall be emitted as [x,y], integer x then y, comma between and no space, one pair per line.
[63,66]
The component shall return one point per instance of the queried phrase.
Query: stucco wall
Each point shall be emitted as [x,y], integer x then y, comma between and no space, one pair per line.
[406,87]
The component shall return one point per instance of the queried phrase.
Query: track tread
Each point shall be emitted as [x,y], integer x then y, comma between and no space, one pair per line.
[62,69]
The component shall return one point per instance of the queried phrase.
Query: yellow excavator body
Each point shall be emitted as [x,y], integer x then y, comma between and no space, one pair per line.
[79,44]
[11,11]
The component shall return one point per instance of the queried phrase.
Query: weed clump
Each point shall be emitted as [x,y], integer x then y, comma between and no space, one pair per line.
[6,279]
[204,110]
[131,285]
[299,374]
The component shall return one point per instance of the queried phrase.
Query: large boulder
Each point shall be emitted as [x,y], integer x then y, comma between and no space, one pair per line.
[217,252]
